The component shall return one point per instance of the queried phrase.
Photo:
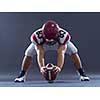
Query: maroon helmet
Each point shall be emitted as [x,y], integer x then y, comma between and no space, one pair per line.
[50,30]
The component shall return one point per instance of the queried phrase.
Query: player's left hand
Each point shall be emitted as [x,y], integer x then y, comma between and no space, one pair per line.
[56,69]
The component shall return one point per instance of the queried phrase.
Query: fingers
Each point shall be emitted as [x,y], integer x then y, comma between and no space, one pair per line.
[56,69]
[43,70]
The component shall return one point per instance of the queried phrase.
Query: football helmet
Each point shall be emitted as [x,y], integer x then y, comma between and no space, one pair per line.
[50,30]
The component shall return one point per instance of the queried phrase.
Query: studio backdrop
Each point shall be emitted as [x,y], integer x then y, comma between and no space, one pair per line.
[16,29]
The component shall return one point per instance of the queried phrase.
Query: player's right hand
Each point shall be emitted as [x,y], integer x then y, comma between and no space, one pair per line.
[43,70]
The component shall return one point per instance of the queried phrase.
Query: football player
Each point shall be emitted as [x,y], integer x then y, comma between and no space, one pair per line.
[51,37]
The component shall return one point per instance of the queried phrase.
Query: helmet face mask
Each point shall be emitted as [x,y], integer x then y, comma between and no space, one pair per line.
[50,42]
[50,31]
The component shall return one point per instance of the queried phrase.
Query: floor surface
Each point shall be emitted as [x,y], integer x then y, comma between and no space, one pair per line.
[61,81]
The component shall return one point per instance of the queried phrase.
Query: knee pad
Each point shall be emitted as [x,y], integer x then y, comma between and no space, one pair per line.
[71,49]
[30,51]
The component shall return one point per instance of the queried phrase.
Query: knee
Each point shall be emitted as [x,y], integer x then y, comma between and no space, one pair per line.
[73,51]
[62,49]
[28,53]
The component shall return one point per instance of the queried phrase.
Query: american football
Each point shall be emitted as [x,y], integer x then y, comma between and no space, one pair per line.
[50,74]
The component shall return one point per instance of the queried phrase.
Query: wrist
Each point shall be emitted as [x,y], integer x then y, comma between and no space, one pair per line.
[42,68]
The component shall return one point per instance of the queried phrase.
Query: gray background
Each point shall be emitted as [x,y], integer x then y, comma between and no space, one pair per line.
[16,29]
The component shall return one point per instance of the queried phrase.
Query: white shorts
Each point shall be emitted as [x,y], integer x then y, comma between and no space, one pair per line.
[31,50]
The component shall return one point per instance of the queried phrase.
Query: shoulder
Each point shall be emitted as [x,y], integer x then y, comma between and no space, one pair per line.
[37,37]
[64,36]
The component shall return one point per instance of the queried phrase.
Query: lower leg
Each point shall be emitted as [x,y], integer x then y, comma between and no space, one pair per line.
[27,60]
[26,63]
[77,62]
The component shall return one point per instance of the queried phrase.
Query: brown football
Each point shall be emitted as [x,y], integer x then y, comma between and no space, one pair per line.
[49,74]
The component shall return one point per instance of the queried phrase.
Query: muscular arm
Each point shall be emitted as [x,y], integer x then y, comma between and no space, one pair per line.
[61,52]
[40,56]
